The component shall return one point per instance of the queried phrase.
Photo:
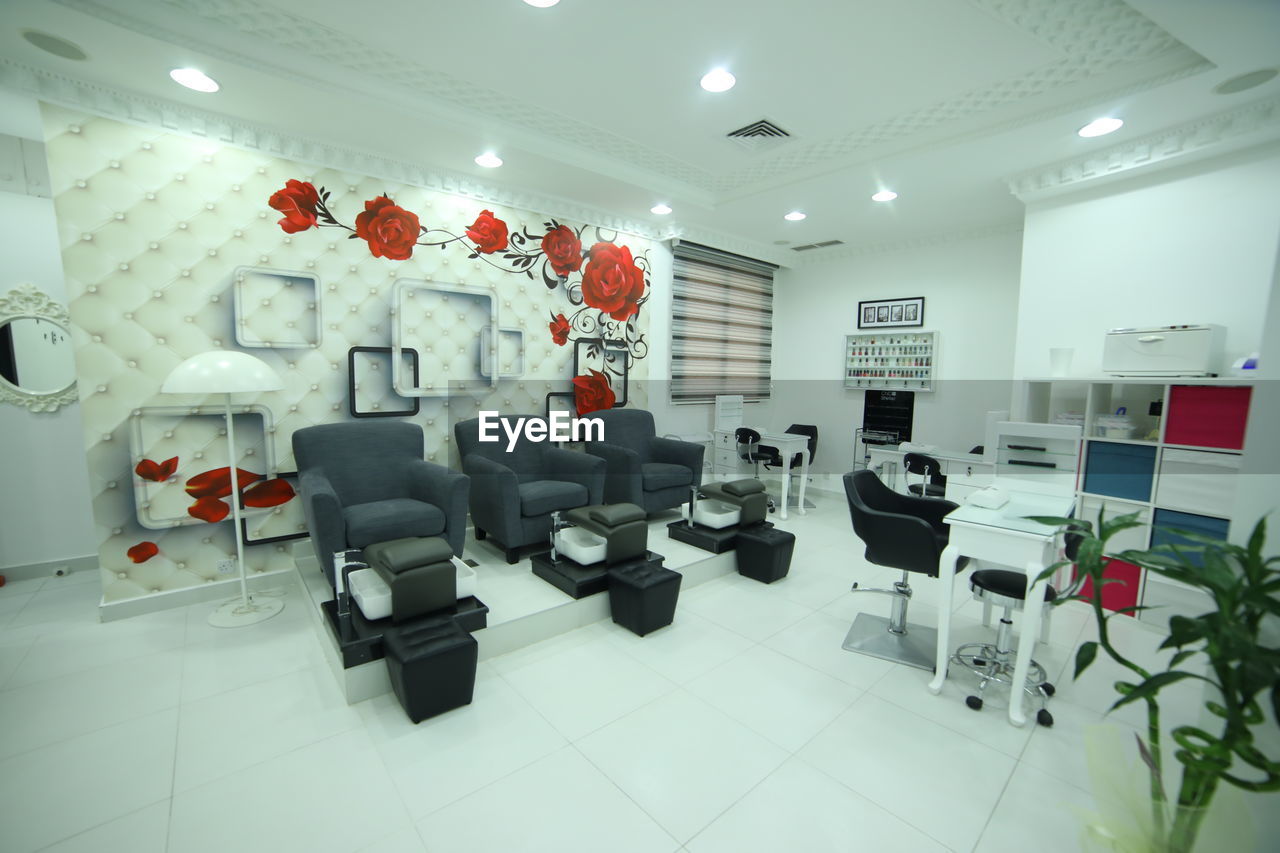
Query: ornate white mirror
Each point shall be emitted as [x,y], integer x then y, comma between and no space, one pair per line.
[37,367]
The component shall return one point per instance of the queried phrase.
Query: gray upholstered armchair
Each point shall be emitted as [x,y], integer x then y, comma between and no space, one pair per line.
[367,482]
[650,472]
[514,493]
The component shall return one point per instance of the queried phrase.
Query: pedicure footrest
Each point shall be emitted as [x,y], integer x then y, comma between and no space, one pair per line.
[432,665]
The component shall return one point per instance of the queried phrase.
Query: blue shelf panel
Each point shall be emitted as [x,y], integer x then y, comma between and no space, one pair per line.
[1204,525]
[1120,470]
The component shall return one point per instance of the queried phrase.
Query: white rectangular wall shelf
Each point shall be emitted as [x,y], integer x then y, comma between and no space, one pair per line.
[890,361]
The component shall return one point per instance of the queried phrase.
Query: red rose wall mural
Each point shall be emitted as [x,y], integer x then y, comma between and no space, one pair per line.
[174,246]
[610,290]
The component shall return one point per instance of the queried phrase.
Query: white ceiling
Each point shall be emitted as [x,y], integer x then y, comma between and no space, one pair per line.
[597,103]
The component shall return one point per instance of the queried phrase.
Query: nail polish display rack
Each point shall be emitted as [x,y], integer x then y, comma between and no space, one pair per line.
[888,360]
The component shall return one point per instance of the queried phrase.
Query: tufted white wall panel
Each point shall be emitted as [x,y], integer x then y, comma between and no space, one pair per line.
[165,240]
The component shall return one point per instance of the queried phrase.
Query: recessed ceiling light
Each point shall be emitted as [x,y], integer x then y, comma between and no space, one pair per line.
[794,216]
[884,195]
[542,4]
[718,80]
[489,160]
[52,44]
[660,209]
[1241,82]
[1100,127]
[194,78]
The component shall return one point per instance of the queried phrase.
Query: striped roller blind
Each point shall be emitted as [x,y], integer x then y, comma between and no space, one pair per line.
[721,325]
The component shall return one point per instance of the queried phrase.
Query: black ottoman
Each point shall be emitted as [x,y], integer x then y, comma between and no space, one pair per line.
[764,553]
[432,664]
[643,596]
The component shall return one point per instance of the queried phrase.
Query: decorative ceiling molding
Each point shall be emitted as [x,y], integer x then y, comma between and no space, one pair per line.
[1093,36]
[1248,124]
[178,118]
[252,21]
[736,245]
[819,256]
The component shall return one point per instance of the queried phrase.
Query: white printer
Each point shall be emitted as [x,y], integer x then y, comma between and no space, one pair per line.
[1191,350]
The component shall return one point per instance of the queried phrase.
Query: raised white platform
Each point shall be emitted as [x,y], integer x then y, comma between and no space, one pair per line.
[523,608]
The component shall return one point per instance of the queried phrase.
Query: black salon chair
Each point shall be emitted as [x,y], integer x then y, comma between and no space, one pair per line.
[797,460]
[749,450]
[365,482]
[934,484]
[901,532]
[747,442]
[515,491]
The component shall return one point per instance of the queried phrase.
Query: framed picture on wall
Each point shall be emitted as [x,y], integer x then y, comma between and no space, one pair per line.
[882,313]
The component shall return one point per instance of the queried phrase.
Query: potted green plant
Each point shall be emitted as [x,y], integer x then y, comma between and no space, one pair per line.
[1224,647]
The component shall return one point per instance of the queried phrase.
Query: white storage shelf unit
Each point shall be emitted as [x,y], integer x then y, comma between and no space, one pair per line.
[1176,463]
[896,361]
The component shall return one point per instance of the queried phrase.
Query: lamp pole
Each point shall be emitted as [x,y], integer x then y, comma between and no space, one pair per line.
[245,605]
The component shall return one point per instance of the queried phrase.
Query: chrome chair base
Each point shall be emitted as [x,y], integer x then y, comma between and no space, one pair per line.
[991,665]
[870,635]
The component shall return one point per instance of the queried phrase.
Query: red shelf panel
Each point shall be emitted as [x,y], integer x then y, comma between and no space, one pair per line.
[1117,595]
[1207,415]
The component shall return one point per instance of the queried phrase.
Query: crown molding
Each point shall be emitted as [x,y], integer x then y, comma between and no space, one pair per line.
[284,45]
[729,243]
[925,242]
[1244,126]
[1092,37]
[172,117]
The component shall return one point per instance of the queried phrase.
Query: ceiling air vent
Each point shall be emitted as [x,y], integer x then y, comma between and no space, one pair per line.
[824,244]
[758,135]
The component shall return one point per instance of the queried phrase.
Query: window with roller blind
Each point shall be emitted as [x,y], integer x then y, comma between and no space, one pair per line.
[721,325]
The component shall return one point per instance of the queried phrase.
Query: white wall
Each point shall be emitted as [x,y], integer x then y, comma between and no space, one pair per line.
[44,502]
[971,300]
[1187,245]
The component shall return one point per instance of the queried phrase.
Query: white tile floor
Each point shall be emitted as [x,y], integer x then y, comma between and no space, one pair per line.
[742,727]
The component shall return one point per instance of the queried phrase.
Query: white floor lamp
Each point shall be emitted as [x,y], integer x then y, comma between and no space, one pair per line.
[227,373]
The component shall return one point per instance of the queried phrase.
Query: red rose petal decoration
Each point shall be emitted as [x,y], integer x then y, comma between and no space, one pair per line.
[209,509]
[268,493]
[591,393]
[612,282]
[488,232]
[559,329]
[156,472]
[563,250]
[391,231]
[217,482]
[143,551]
[298,202]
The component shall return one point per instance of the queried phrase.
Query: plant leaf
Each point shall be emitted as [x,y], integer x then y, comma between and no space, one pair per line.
[1084,656]
[1183,630]
[1059,521]
[1255,675]
[1149,760]
[1152,686]
[1120,522]
[1275,701]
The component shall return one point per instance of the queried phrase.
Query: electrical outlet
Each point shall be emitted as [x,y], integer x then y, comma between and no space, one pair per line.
[227,566]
